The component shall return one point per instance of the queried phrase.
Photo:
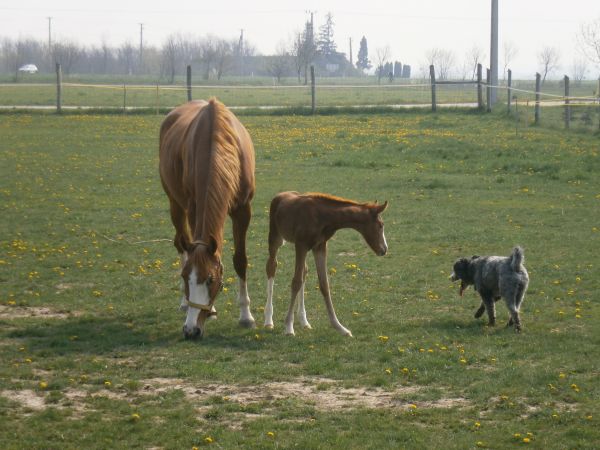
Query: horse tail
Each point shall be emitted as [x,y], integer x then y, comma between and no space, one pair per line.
[225,165]
[517,258]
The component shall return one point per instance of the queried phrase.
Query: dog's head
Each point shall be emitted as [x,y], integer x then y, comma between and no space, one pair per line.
[462,270]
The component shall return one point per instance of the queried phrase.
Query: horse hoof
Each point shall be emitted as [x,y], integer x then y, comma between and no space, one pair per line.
[269,326]
[307,326]
[247,323]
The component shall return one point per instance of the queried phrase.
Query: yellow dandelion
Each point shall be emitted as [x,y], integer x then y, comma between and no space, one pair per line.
[463,360]
[208,440]
[270,434]
[388,371]
[526,440]
[135,417]
[107,384]
[405,370]
[383,338]
[43,385]
[517,435]
[561,375]
[412,406]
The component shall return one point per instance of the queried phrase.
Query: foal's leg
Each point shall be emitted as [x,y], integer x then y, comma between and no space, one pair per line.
[301,309]
[275,241]
[297,283]
[320,254]
[240,218]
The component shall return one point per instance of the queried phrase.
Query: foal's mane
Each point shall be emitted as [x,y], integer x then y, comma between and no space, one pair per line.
[338,200]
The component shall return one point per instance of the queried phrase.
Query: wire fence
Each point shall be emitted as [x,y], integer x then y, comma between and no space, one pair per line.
[579,108]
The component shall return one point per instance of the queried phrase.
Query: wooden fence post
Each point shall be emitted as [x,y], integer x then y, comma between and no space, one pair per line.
[488,90]
[433,88]
[58,88]
[508,89]
[124,98]
[598,95]
[567,107]
[538,80]
[189,83]
[313,104]
[479,87]
[157,100]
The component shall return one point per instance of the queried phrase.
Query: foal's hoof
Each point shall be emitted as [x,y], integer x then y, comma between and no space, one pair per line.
[269,326]
[247,323]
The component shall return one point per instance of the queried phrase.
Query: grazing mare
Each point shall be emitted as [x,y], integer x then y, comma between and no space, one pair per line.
[207,171]
[309,221]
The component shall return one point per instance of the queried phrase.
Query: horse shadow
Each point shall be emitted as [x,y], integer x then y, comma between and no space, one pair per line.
[102,335]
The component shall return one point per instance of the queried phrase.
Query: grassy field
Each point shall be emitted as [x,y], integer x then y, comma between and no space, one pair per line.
[91,349]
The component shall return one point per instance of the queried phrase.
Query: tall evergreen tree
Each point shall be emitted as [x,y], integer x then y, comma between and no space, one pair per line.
[326,45]
[362,60]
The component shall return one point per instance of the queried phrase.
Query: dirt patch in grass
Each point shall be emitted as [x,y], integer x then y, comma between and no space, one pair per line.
[324,394]
[20,312]
[26,398]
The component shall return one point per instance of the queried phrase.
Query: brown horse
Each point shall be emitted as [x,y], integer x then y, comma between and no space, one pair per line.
[207,170]
[309,221]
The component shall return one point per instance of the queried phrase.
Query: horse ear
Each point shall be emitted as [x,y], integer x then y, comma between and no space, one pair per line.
[382,208]
[212,245]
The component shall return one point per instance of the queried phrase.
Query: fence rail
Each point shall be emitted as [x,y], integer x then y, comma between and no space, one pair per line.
[575,100]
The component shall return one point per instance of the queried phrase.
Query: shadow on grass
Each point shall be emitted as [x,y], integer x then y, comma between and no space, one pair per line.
[101,335]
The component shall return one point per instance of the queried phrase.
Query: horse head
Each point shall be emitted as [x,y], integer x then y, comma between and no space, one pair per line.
[202,276]
[372,229]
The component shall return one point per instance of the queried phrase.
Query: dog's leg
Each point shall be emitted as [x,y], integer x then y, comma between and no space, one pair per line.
[490,306]
[480,311]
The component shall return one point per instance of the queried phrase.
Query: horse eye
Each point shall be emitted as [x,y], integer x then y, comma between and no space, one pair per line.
[209,281]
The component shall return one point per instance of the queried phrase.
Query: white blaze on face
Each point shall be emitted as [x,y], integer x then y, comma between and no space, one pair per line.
[198,295]
[384,241]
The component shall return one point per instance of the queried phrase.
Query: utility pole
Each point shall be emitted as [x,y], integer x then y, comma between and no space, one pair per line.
[241,50]
[49,33]
[141,44]
[494,53]
[351,51]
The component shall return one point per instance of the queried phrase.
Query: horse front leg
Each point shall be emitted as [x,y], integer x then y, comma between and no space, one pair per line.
[241,220]
[320,254]
[297,283]
[301,309]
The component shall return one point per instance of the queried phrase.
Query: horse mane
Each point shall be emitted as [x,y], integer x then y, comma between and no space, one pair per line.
[338,200]
[222,167]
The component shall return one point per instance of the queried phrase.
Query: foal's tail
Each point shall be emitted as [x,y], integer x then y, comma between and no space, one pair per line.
[517,258]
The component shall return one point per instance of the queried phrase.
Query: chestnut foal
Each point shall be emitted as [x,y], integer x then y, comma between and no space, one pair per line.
[309,221]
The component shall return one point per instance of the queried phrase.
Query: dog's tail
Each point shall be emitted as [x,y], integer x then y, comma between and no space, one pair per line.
[517,258]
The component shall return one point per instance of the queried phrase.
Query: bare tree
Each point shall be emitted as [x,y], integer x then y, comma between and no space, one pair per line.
[589,40]
[510,52]
[548,59]
[578,70]
[223,57]
[66,53]
[208,54]
[278,64]
[442,59]
[169,53]
[475,56]
[382,54]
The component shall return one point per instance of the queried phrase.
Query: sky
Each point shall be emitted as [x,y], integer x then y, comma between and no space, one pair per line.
[409,28]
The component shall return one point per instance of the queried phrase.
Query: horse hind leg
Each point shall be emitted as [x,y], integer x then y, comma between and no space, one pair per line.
[240,220]
[297,283]
[275,242]
[320,254]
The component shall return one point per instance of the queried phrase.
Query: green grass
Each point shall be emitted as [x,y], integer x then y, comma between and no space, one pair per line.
[91,313]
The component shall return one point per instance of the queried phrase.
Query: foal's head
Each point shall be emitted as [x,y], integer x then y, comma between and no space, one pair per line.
[372,229]
[203,280]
